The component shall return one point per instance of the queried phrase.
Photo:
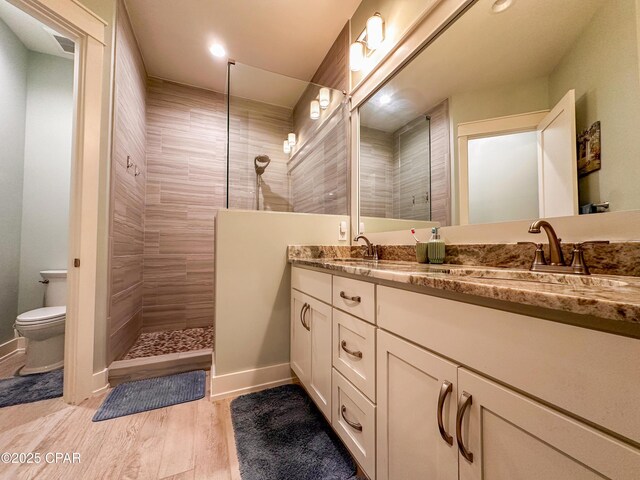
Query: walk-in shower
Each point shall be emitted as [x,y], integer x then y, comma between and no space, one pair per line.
[270,123]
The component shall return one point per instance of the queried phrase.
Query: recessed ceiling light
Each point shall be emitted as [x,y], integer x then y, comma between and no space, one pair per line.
[500,6]
[385,99]
[217,50]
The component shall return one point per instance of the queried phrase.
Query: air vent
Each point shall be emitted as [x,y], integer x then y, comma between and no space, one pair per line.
[67,45]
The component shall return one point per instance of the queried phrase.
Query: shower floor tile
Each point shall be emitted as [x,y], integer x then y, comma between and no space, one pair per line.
[170,341]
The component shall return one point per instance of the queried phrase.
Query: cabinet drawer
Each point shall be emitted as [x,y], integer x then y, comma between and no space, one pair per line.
[354,419]
[354,346]
[355,297]
[582,371]
[312,283]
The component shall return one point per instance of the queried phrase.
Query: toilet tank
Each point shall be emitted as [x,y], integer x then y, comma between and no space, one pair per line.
[55,294]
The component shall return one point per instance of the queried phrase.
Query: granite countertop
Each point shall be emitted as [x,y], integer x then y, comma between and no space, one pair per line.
[612,297]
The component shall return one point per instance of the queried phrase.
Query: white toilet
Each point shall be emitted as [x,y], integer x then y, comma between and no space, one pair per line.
[44,327]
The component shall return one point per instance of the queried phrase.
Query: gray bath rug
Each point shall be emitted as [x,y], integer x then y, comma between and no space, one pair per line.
[280,434]
[151,393]
[30,388]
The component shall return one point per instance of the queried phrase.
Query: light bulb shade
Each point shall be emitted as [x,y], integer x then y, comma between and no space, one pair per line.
[314,110]
[356,56]
[325,97]
[286,148]
[291,138]
[375,32]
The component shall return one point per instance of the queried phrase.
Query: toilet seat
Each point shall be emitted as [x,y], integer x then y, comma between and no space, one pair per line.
[42,316]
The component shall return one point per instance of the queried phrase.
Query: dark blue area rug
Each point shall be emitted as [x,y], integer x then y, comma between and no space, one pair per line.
[30,388]
[281,434]
[151,393]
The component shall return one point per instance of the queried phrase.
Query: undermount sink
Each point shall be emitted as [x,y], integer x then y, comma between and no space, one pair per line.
[485,273]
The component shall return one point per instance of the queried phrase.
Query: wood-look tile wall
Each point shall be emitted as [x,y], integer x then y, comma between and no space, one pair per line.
[394,169]
[319,172]
[186,170]
[126,233]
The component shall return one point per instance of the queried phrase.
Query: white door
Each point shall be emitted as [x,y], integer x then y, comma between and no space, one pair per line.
[558,160]
[507,436]
[416,391]
[300,337]
[319,321]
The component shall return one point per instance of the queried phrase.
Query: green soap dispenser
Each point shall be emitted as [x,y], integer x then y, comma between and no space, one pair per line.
[435,247]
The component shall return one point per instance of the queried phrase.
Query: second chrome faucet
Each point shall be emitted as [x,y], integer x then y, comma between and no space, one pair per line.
[372,250]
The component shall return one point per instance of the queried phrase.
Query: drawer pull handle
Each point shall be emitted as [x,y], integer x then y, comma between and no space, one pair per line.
[356,299]
[355,426]
[466,399]
[303,313]
[343,345]
[445,390]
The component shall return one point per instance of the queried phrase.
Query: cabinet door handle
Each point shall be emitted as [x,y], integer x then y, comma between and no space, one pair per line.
[304,317]
[303,312]
[355,426]
[356,299]
[343,345]
[466,399]
[445,390]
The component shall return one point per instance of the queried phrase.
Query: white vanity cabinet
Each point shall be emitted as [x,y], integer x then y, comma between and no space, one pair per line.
[428,387]
[509,436]
[311,346]
[416,412]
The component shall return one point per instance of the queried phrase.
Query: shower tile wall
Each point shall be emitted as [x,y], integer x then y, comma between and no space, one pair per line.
[440,164]
[386,189]
[376,173]
[126,233]
[319,181]
[186,168]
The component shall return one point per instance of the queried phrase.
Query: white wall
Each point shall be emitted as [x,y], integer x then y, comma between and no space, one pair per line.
[13,95]
[253,281]
[47,173]
[511,99]
[607,89]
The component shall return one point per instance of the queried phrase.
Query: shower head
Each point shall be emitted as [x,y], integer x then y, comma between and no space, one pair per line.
[260,163]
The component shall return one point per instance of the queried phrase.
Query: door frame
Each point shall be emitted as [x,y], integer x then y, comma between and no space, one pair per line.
[88,31]
[523,122]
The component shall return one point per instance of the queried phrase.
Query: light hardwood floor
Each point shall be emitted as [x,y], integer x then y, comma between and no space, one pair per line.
[189,441]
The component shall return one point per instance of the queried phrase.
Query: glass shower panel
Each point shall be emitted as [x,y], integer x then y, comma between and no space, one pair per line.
[280,156]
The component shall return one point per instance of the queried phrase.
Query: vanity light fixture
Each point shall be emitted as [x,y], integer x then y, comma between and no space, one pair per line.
[217,50]
[291,138]
[500,6]
[286,148]
[325,98]
[368,41]
[356,56]
[314,111]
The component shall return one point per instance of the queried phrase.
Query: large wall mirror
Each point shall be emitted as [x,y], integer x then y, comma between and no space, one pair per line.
[520,109]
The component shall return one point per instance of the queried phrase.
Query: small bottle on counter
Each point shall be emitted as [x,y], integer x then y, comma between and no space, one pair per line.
[435,248]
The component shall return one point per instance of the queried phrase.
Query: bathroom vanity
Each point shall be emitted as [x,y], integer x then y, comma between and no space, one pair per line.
[428,373]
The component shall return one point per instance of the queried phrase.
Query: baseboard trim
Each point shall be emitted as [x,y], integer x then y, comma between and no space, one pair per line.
[247,381]
[11,347]
[100,381]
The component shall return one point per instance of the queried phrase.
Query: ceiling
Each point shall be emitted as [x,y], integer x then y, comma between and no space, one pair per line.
[482,50]
[290,37]
[30,31]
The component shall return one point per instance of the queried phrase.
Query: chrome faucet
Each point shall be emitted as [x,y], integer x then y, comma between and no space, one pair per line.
[372,250]
[556,259]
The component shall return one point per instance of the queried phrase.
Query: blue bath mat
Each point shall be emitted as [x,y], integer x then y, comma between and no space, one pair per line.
[280,433]
[31,388]
[151,393]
